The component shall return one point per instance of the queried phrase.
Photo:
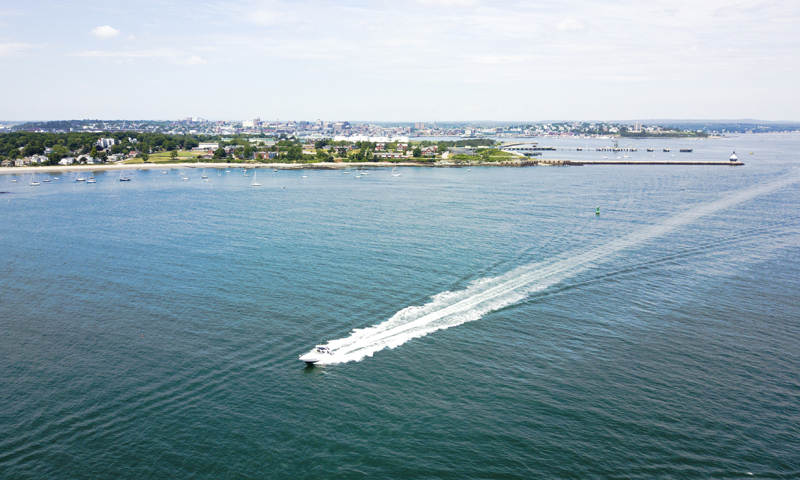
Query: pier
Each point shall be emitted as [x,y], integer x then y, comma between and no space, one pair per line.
[650,162]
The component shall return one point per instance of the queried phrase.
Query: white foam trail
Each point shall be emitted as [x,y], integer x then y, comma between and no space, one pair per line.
[450,309]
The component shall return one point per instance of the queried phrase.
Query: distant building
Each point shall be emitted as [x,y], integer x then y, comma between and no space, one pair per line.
[419,125]
[106,142]
[637,127]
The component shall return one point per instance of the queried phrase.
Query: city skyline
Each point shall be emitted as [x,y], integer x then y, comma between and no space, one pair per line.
[452,60]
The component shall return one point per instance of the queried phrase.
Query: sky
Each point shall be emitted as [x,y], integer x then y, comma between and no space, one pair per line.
[400,60]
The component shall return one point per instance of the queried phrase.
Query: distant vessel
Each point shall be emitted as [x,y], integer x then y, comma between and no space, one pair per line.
[254,183]
[318,354]
[204,174]
[123,179]
[649,149]
[91,180]
[34,183]
[666,149]
[79,178]
[686,150]
[46,180]
[734,158]
[394,172]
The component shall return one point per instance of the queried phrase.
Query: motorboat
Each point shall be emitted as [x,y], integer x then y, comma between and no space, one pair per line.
[316,355]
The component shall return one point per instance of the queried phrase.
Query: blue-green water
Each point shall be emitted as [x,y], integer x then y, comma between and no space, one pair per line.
[152,329]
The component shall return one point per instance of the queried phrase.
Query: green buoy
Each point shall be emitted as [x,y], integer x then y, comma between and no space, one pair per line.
[598,211]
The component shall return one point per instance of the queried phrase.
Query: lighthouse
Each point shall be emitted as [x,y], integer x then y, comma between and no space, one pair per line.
[734,158]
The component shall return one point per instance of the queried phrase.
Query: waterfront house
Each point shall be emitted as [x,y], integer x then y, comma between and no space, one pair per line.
[22,162]
[431,150]
[6,163]
[66,161]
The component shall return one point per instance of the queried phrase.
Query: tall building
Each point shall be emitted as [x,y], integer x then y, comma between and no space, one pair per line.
[419,125]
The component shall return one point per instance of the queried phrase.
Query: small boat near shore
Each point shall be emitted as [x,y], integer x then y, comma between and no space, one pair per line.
[316,355]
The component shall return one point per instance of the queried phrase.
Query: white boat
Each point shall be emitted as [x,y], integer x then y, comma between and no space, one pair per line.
[734,158]
[363,172]
[394,172]
[123,179]
[79,178]
[34,183]
[254,183]
[91,180]
[46,180]
[14,181]
[316,355]
[204,174]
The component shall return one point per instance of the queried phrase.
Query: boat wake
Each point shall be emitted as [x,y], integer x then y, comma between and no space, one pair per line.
[449,309]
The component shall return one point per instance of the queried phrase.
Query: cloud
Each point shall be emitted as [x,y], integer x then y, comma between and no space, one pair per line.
[159,53]
[9,49]
[623,78]
[191,61]
[570,25]
[105,32]
[449,3]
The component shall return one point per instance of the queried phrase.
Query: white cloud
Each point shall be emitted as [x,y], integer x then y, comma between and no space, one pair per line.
[570,25]
[191,61]
[449,3]
[105,32]
[8,49]
[158,53]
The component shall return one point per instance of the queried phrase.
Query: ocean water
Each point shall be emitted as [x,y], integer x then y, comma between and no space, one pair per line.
[485,323]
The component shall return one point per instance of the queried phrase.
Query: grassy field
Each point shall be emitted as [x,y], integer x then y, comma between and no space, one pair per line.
[163,157]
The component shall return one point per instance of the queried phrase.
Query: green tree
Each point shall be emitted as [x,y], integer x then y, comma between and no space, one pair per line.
[93,153]
[417,152]
[173,154]
[220,153]
[144,156]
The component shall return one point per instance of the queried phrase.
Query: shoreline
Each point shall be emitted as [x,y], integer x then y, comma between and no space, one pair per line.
[342,165]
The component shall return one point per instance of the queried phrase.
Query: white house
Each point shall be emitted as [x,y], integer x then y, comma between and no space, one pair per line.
[106,142]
